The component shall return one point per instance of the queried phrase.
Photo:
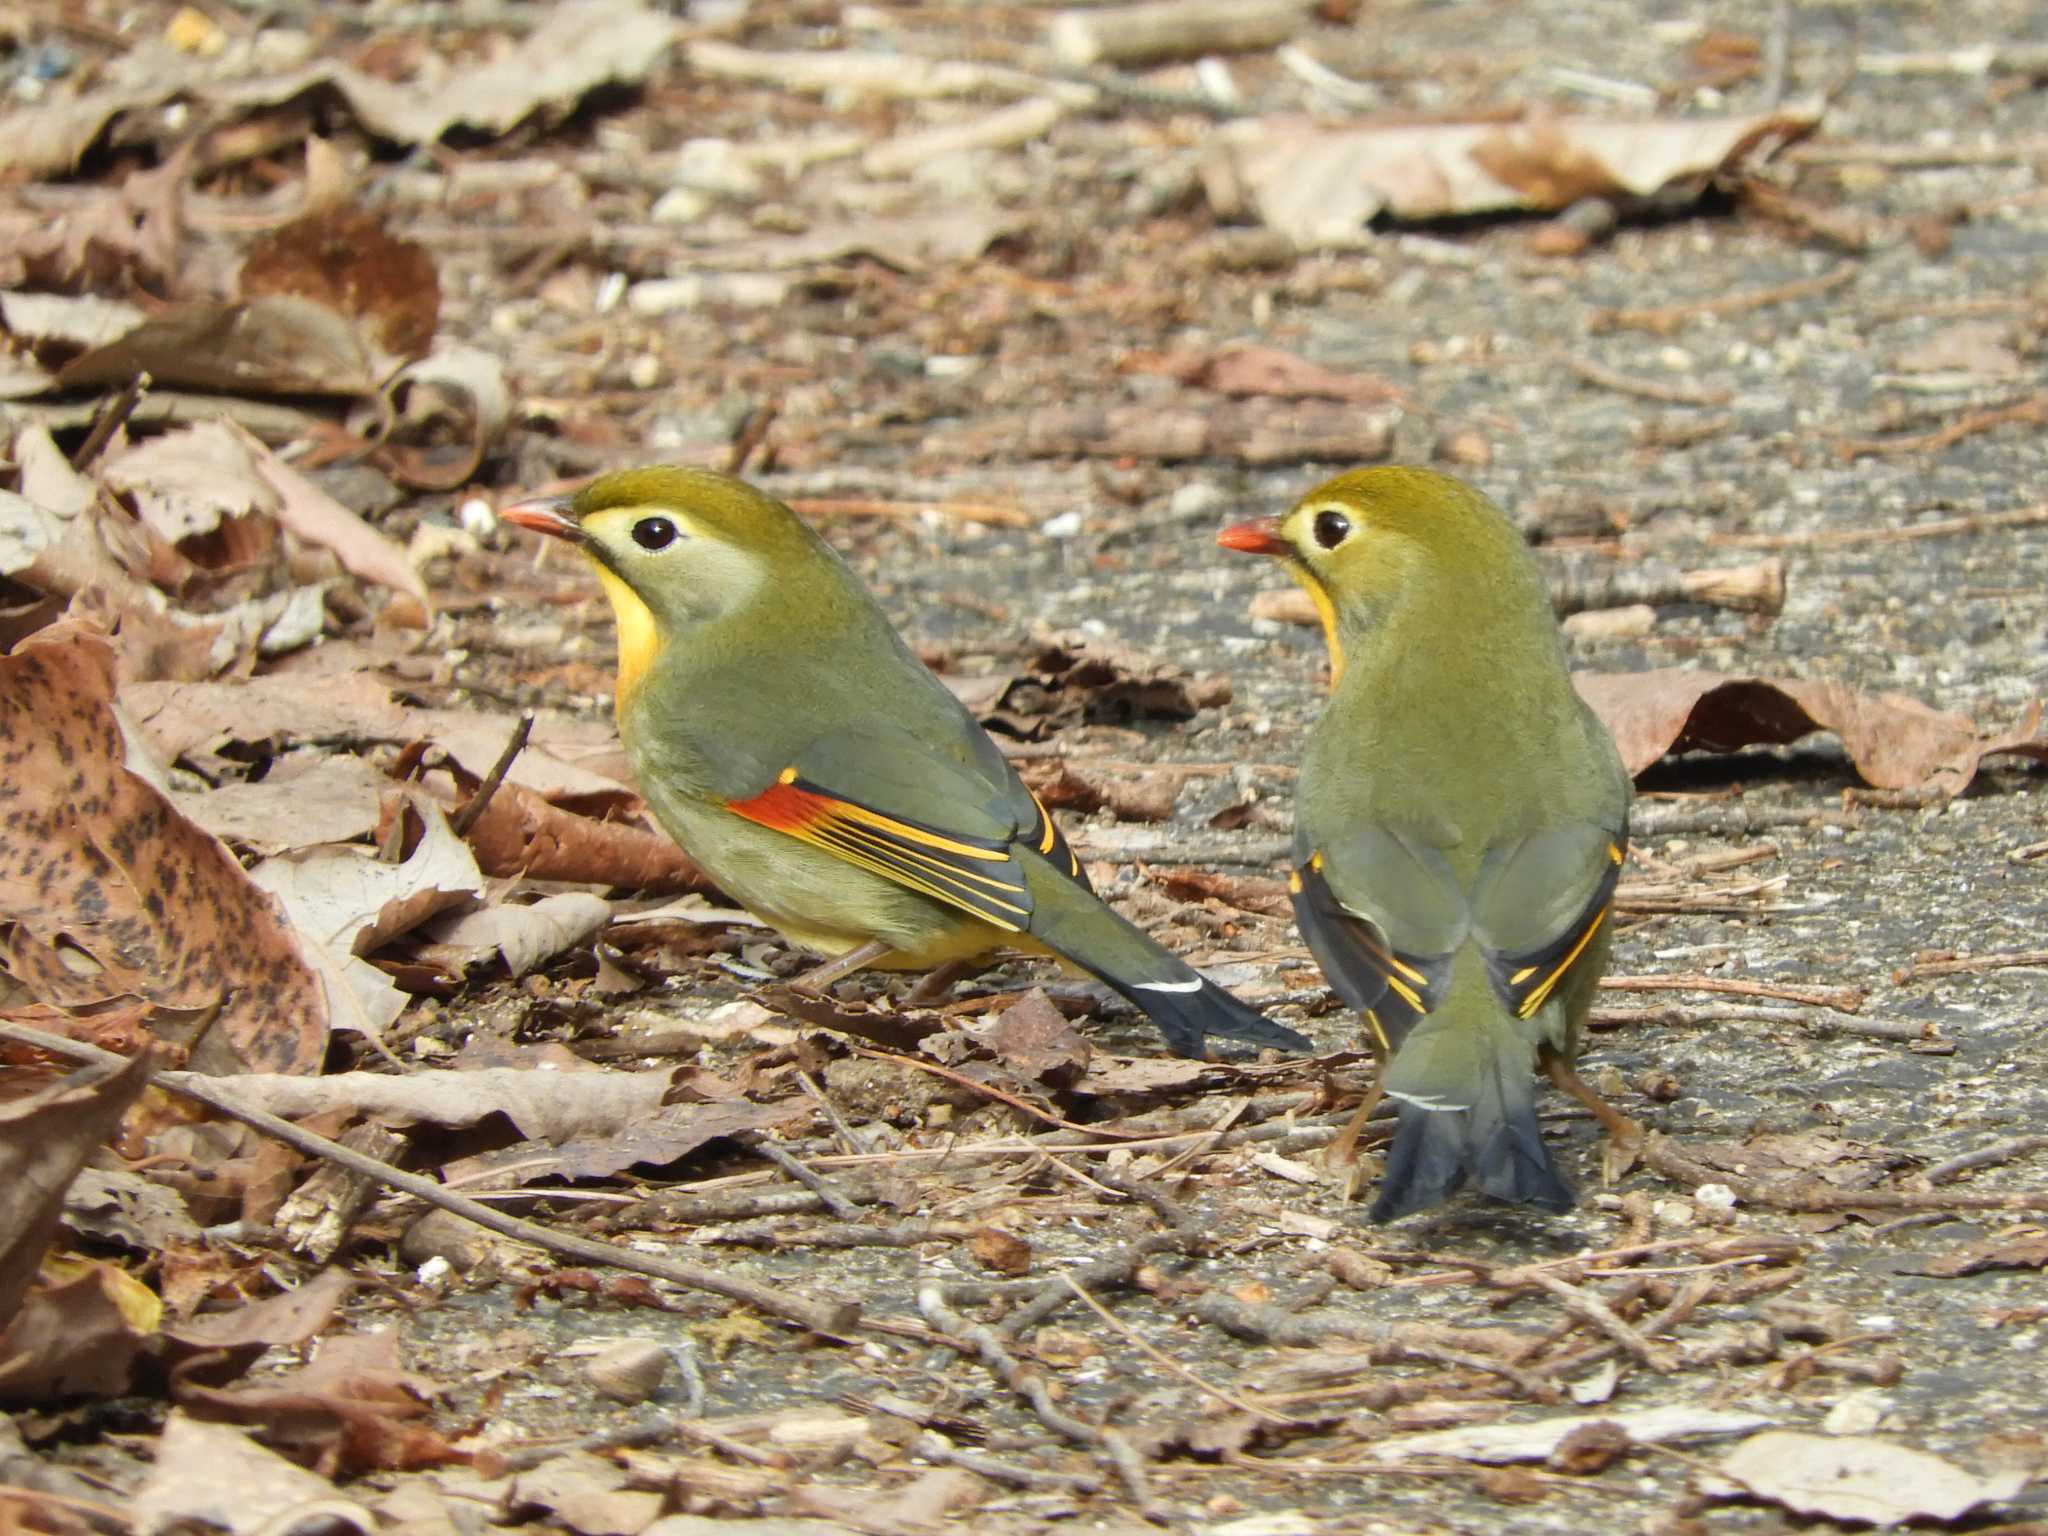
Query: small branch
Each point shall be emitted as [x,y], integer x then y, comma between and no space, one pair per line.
[1590,1309]
[839,1205]
[1794,1194]
[936,1448]
[1662,321]
[818,1315]
[1841,999]
[474,807]
[2031,412]
[1675,1016]
[1167,1363]
[112,418]
[1969,965]
[982,1342]
[1600,375]
[1984,1157]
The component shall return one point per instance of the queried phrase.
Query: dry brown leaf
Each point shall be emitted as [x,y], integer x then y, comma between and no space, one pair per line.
[45,1139]
[210,1477]
[306,798]
[1073,682]
[1037,1042]
[342,256]
[348,1411]
[1065,785]
[659,1139]
[1895,742]
[552,1106]
[77,1334]
[216,1347]
[1320,186]
[522,835]
[267,346]
[186,483]
[106,891]
[318,518]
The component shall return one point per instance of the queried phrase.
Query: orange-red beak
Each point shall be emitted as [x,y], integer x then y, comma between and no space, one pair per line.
[543,514]
[1260,536]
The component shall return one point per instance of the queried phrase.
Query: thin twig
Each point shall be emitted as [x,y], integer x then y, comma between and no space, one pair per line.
[1166,1362]
[935,1447]
[1841,999]
[1837,538]
[1590,1309]
[464,819]
[982,1342]
[1966,965]
[1984,1157]
[1796,1194]
[1667,318]
[112,417]
[835,1202]
[818,1314]
[2031,412]
[1601,375]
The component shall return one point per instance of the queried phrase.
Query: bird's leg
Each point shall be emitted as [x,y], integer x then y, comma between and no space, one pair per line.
[935,986]
[820,977]
[1342,1152]
[1625,1132]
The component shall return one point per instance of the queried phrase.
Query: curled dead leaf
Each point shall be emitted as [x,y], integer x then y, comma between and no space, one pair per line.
[1895,742]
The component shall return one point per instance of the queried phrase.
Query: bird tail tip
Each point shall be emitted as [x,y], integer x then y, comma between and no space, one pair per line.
[1498,1147]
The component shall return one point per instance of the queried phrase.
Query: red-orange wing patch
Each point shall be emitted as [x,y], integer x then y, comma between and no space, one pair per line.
[976,875]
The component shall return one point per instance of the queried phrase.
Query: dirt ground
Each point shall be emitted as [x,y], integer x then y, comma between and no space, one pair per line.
[1809,427]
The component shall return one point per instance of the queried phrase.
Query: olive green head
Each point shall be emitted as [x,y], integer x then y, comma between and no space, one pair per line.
[678,547]
[1373,541]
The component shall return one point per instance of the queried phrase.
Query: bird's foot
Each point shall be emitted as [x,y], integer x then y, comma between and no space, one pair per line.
[1624,1136]
[818,979]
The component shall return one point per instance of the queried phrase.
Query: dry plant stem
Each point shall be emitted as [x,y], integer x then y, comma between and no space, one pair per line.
[1947,527]
[1812,1195]
[1167,1363]
[1117,1272]
[1842,999]
[1682,1307]
[1677,1016]
[1594,1312]
[848,1137]
[1648,389]
[111,419]
[818,1314]
[1970,964]
[2029,412]
[13,1493]
[936,1448]
[1985,1157]
[1528,1383]
[839,1205]
[1665,319]
[474,807]
[984,1345]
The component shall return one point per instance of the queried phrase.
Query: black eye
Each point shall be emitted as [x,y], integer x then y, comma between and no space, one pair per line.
[652,533]
[1332,529]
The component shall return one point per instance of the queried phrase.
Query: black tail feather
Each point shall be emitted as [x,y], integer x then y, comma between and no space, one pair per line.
[1495,1144]
[1186,1019]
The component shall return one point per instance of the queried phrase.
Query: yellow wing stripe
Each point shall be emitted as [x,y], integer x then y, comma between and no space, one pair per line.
[1537,998]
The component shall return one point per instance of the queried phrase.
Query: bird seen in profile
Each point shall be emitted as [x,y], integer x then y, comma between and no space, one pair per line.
[789,740]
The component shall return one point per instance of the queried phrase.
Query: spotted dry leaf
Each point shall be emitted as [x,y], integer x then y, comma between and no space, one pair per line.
[107,892]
